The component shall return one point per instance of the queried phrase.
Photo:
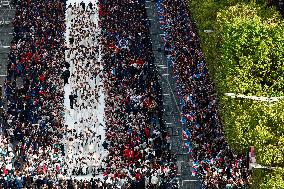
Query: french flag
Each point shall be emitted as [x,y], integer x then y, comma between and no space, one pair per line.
[188,146]
[183,120]
[186,134]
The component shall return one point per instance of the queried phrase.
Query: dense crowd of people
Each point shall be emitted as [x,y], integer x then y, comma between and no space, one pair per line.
[37,149]
[32,125]
[138,150]
[215,163]
[108,50]
[85,151]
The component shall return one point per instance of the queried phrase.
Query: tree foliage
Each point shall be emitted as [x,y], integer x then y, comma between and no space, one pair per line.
[249,123]
[272,179]
[252,52]
[245,55]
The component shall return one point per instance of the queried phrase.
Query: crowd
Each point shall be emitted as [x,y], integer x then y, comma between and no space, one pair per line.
[85,150]
[138,151]
[32,125]
[215,163]
[37,148]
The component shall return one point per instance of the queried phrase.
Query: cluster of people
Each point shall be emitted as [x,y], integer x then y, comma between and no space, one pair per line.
[85,137]
[32,124]
[139,154]
[106,62]
[40,146]
[215,163]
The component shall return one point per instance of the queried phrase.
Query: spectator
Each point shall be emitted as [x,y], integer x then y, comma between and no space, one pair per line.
[215,163]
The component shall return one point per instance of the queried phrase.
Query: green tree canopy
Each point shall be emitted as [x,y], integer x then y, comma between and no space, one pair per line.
[245,55]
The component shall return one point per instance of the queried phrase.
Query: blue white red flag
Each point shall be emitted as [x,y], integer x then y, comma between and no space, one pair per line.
[186,134]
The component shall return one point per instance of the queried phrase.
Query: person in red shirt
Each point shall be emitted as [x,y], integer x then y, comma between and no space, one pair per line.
[126,153]
[147,132]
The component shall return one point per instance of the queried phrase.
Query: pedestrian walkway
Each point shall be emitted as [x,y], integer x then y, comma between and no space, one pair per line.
[84,114]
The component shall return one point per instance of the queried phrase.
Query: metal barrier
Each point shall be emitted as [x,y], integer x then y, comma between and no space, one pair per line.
[5,3]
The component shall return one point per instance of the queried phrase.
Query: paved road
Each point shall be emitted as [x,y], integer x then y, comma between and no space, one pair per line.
[6,29]
[170,101]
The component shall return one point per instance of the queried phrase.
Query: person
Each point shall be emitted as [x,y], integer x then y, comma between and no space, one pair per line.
[90,5]
[67,65]
[66,75]
[154,181]
[71,40]
[83,5]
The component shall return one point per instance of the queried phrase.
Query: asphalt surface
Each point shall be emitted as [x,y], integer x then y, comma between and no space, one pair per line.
[170,102]
[6,35]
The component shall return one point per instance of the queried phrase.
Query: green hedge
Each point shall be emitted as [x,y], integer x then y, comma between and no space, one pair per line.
[245,55]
